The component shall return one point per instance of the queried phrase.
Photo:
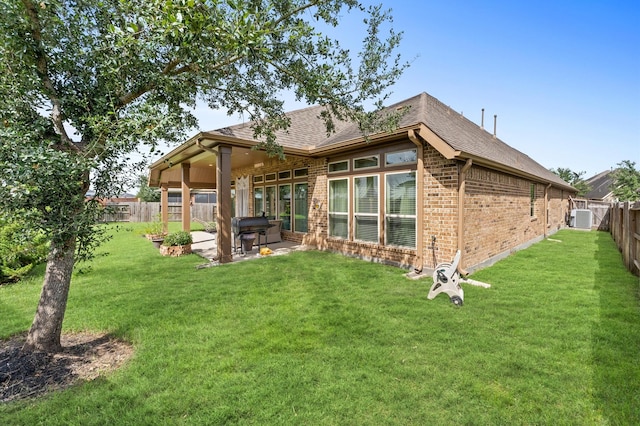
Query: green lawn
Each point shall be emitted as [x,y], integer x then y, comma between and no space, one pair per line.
[316,338]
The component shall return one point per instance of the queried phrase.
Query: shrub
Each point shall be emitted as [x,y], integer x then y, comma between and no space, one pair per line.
[179,238]
[20,250]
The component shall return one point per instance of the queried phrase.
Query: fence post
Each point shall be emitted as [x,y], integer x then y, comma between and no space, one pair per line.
[634,239]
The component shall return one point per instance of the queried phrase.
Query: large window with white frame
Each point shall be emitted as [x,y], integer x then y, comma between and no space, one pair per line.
[400,209]
[285,200]
[300,207]
[339,208]
[284,205]
[258,201]
[366,206]
[270,202]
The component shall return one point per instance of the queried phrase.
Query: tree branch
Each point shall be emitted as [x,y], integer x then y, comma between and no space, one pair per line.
[170,70]
[295,12]
[57,116]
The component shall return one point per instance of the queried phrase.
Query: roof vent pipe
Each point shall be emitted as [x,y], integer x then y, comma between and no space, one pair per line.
[495,120]
[482,121]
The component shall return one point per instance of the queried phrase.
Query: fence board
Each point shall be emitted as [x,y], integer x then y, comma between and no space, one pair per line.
[148,212]
[625,230]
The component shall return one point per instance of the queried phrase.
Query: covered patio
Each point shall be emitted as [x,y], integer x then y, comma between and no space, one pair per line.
[205,245]
[206,161]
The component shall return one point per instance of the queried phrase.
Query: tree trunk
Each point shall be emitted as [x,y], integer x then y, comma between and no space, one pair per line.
[46,328]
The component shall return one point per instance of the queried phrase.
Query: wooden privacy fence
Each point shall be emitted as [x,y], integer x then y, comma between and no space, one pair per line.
[148,212]
[600,211]
[625,229]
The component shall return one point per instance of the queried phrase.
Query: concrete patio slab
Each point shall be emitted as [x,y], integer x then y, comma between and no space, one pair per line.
[205,246]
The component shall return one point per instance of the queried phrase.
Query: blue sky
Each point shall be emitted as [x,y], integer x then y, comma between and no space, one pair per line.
[563,77]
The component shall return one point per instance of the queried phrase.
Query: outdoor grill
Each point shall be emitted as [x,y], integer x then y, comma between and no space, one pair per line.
[247,229]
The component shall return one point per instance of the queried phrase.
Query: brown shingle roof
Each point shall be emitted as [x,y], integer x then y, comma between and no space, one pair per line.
[308,131]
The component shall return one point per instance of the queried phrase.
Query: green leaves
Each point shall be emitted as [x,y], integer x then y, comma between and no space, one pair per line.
[85,83]
[626,185]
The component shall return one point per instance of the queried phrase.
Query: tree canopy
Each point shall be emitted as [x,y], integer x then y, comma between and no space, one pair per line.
[574,179]
[626,181]
[84,83]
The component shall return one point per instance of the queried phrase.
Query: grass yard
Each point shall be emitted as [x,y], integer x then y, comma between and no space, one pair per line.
[316,338]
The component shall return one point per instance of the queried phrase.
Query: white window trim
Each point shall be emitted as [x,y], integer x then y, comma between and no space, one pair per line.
[356,214]
[285,178]
[339,171]
[399,216]
[376,156]
[347,214]
[297,176]
[386,164]
[293,206]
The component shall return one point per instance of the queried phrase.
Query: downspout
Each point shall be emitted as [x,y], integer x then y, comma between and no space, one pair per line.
[462,183]
[546,210]
[419,261]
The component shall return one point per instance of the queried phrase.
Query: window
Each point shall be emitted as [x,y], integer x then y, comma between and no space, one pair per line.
[300,207]
[204,197]
[233,202]
[339,208]
[532,202]
[401,157]
[339,166]
[174,197]
[365,162]
[270,177]
[284,175]
[270,202]
[400,209]
[258,201]
[258,179]
[300,173]
[365,195]
[284,205]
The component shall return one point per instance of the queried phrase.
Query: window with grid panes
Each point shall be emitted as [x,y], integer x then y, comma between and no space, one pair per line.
[365,197]
[339,208]
[400,209]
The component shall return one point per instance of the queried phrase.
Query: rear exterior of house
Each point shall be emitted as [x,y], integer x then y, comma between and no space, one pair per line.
[412,197]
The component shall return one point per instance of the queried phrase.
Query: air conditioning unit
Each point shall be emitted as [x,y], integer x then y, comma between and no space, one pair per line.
[581,219]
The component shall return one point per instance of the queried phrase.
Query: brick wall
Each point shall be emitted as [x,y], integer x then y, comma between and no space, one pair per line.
[440,208]
[497,211]
[498,214]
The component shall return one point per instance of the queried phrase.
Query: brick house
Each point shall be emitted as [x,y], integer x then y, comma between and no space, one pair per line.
[410,197]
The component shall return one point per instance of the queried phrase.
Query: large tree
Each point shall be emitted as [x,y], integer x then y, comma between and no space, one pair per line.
[83,83]
[574,179]
[626,181]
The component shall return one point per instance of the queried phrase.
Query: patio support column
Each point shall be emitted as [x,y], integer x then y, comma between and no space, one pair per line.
[223,207]
[419,262]
[164,207]
[462,183]
[186,197]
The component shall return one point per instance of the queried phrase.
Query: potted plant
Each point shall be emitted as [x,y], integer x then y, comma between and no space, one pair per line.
[176,244]
[155,231]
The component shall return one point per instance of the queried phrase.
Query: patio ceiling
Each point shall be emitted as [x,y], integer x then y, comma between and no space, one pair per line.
[200,153]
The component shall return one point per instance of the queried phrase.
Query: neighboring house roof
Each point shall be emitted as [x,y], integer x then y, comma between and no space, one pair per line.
[464,138]
[600,186]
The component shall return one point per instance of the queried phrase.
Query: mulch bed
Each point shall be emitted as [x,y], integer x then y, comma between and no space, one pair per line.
[85,356]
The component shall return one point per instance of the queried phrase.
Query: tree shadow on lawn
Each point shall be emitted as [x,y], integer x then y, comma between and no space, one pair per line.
[616,337]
